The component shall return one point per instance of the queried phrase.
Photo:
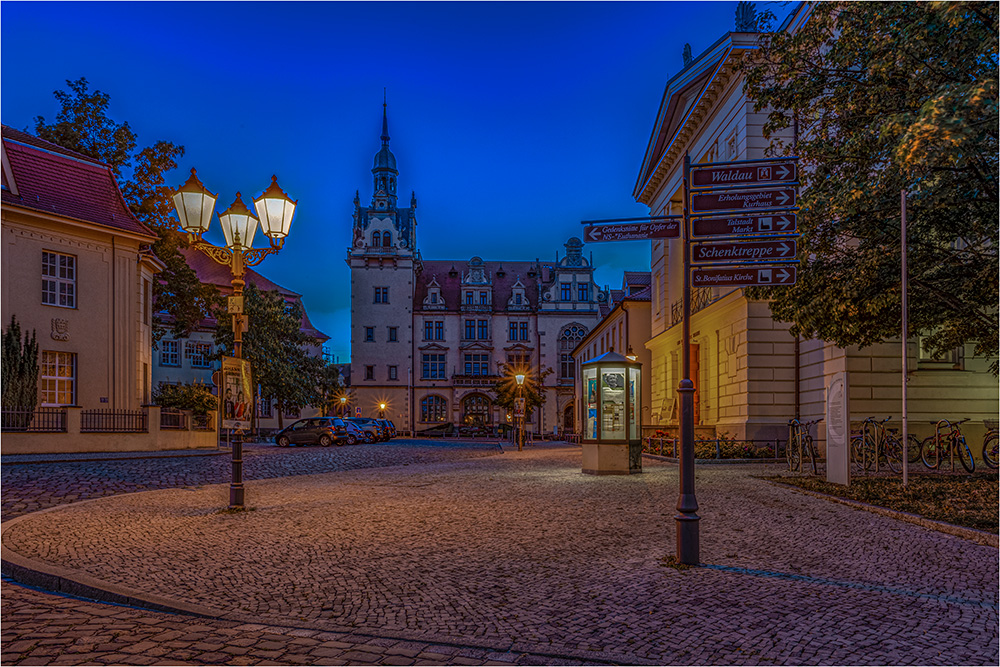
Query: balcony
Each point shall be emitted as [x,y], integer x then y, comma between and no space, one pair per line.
[476,308]
[475,380]
[701,297]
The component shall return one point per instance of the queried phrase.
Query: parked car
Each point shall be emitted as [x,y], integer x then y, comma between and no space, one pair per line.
[372,429]
[355,433]
[389,428]
[323,431]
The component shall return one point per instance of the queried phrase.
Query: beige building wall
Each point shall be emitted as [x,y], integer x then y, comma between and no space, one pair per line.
[107,330]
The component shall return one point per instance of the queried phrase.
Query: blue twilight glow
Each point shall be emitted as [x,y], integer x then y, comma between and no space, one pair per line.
[511,121]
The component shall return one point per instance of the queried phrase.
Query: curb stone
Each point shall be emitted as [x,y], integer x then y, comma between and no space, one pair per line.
[971,534]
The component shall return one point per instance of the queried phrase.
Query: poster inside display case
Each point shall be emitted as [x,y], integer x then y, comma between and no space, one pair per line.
[613,403]
[590,387]
[634,419]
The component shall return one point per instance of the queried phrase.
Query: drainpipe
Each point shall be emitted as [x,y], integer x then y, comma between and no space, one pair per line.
[114,323]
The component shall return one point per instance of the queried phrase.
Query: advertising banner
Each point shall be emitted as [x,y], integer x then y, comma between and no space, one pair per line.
[237,393]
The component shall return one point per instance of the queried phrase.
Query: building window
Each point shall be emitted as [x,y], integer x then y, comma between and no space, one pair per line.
[439,331]
[566,293]
[198,354]
[484,298]
[57,377]
[393,334]
[523,329]
[468,298]
[393,372]
[292,414]
[58,279]
[518,299]
[264,409]
[428,330]
[583,291]
[369,372]
[470,329]
[147,300]
[386,240]
[432,367]
[433,409]
[512,331]
[567,367]
[381,295]
[519,359]
[477,364]
[484,329]
[170,353]
[369,334]
[376,239]
[434,297]
[478,410]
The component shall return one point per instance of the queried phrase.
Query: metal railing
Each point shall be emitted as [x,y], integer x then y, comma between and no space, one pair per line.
[39,420]
[670,447]
[114,421]
[701,297]
[173,419]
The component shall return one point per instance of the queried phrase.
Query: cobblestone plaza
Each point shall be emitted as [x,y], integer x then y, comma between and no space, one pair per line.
[415,552]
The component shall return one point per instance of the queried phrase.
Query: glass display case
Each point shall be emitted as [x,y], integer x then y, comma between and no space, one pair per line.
[612,423]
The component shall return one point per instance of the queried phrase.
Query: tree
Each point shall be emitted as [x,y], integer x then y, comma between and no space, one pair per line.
[328,388]
[505,389]
[274,344]
[887,97]
[83,125]
[20,375]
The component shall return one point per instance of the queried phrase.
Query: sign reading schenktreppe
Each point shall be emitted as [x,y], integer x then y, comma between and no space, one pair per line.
[750,251]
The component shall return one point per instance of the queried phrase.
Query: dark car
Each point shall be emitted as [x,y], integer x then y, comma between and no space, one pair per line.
[381,431]
[324,431]
[389,428]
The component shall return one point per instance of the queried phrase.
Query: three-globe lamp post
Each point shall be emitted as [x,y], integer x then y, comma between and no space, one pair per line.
[275,210]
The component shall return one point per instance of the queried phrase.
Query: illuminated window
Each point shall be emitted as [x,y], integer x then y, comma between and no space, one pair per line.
[433,409]
[57,378]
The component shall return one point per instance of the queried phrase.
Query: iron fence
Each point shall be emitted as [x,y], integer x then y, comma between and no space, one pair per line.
[114,421]
[717,448]
[173,419]
[39,420]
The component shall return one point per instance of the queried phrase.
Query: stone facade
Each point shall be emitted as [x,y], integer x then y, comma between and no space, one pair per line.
[428,337]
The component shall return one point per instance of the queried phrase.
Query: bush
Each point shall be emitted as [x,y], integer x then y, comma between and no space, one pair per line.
[196,397]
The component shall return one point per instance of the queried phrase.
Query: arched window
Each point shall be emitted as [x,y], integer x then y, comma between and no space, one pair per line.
[477,410]
[386,240]
[433,409]
[569,338]
[376,239]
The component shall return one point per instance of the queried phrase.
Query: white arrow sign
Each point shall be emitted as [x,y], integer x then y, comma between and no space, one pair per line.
[783,172]
[782,198]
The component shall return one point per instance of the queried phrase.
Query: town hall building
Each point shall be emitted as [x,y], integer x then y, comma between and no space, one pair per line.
[429,338]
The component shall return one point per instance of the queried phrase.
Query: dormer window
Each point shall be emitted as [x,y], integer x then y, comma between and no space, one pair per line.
[518,299]
[386,240]
[434,297]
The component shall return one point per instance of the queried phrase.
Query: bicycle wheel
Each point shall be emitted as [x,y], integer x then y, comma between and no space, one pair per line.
[893,453]
[857,452]
[929,452]
[965,454]
[912,448]
[810,450]
[792,453]
[869,454]
[991,450]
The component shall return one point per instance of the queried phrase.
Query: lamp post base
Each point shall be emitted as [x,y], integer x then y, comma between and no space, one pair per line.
[236,487]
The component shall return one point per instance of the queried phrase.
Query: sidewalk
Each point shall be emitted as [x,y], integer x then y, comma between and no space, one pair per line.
[524,553]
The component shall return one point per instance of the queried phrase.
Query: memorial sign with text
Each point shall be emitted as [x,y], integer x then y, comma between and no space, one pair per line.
[635,231]
[744,251]
[746,201]
[779,223]
[749,174]
[747,276]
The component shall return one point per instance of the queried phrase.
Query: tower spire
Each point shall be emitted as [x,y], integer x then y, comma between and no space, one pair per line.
[385,122]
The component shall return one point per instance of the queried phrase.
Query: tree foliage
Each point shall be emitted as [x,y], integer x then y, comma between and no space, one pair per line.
[888,97]
[196,397]
[83,125]
[274,344]
[20,368]
[505,389]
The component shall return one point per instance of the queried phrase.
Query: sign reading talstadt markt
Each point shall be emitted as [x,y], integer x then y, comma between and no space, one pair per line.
[707,177]
[754,199]
[777,223]
[749,276]
[666,229]
[747,251]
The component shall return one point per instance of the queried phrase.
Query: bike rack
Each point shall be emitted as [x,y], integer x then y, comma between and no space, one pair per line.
[875,442]
[937,445]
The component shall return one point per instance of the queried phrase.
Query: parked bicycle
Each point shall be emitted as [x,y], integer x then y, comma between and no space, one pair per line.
[800,444]
[991,443]
[948,441]
[875,444]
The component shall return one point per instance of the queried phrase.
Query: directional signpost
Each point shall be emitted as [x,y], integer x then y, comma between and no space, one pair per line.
[777,223]
[748,208]
[752,251]
[665,229]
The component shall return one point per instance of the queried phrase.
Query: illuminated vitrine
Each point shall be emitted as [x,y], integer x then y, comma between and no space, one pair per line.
[610,397]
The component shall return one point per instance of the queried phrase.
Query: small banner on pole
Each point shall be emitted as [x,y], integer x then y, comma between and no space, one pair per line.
[237,393]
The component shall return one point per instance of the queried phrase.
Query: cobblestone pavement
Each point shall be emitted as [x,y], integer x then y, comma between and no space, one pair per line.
[523,558]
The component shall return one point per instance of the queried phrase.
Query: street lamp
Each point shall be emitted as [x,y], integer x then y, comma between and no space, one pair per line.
[343,406]
[381,410]
[519,410]
[275,210]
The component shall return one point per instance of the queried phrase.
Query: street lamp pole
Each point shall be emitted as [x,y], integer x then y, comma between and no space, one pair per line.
[520,411]
[195,205]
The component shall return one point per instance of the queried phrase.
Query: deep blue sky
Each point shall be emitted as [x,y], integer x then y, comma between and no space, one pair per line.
[511,121]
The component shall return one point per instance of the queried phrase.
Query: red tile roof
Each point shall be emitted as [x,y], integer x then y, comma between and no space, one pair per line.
[53,180]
